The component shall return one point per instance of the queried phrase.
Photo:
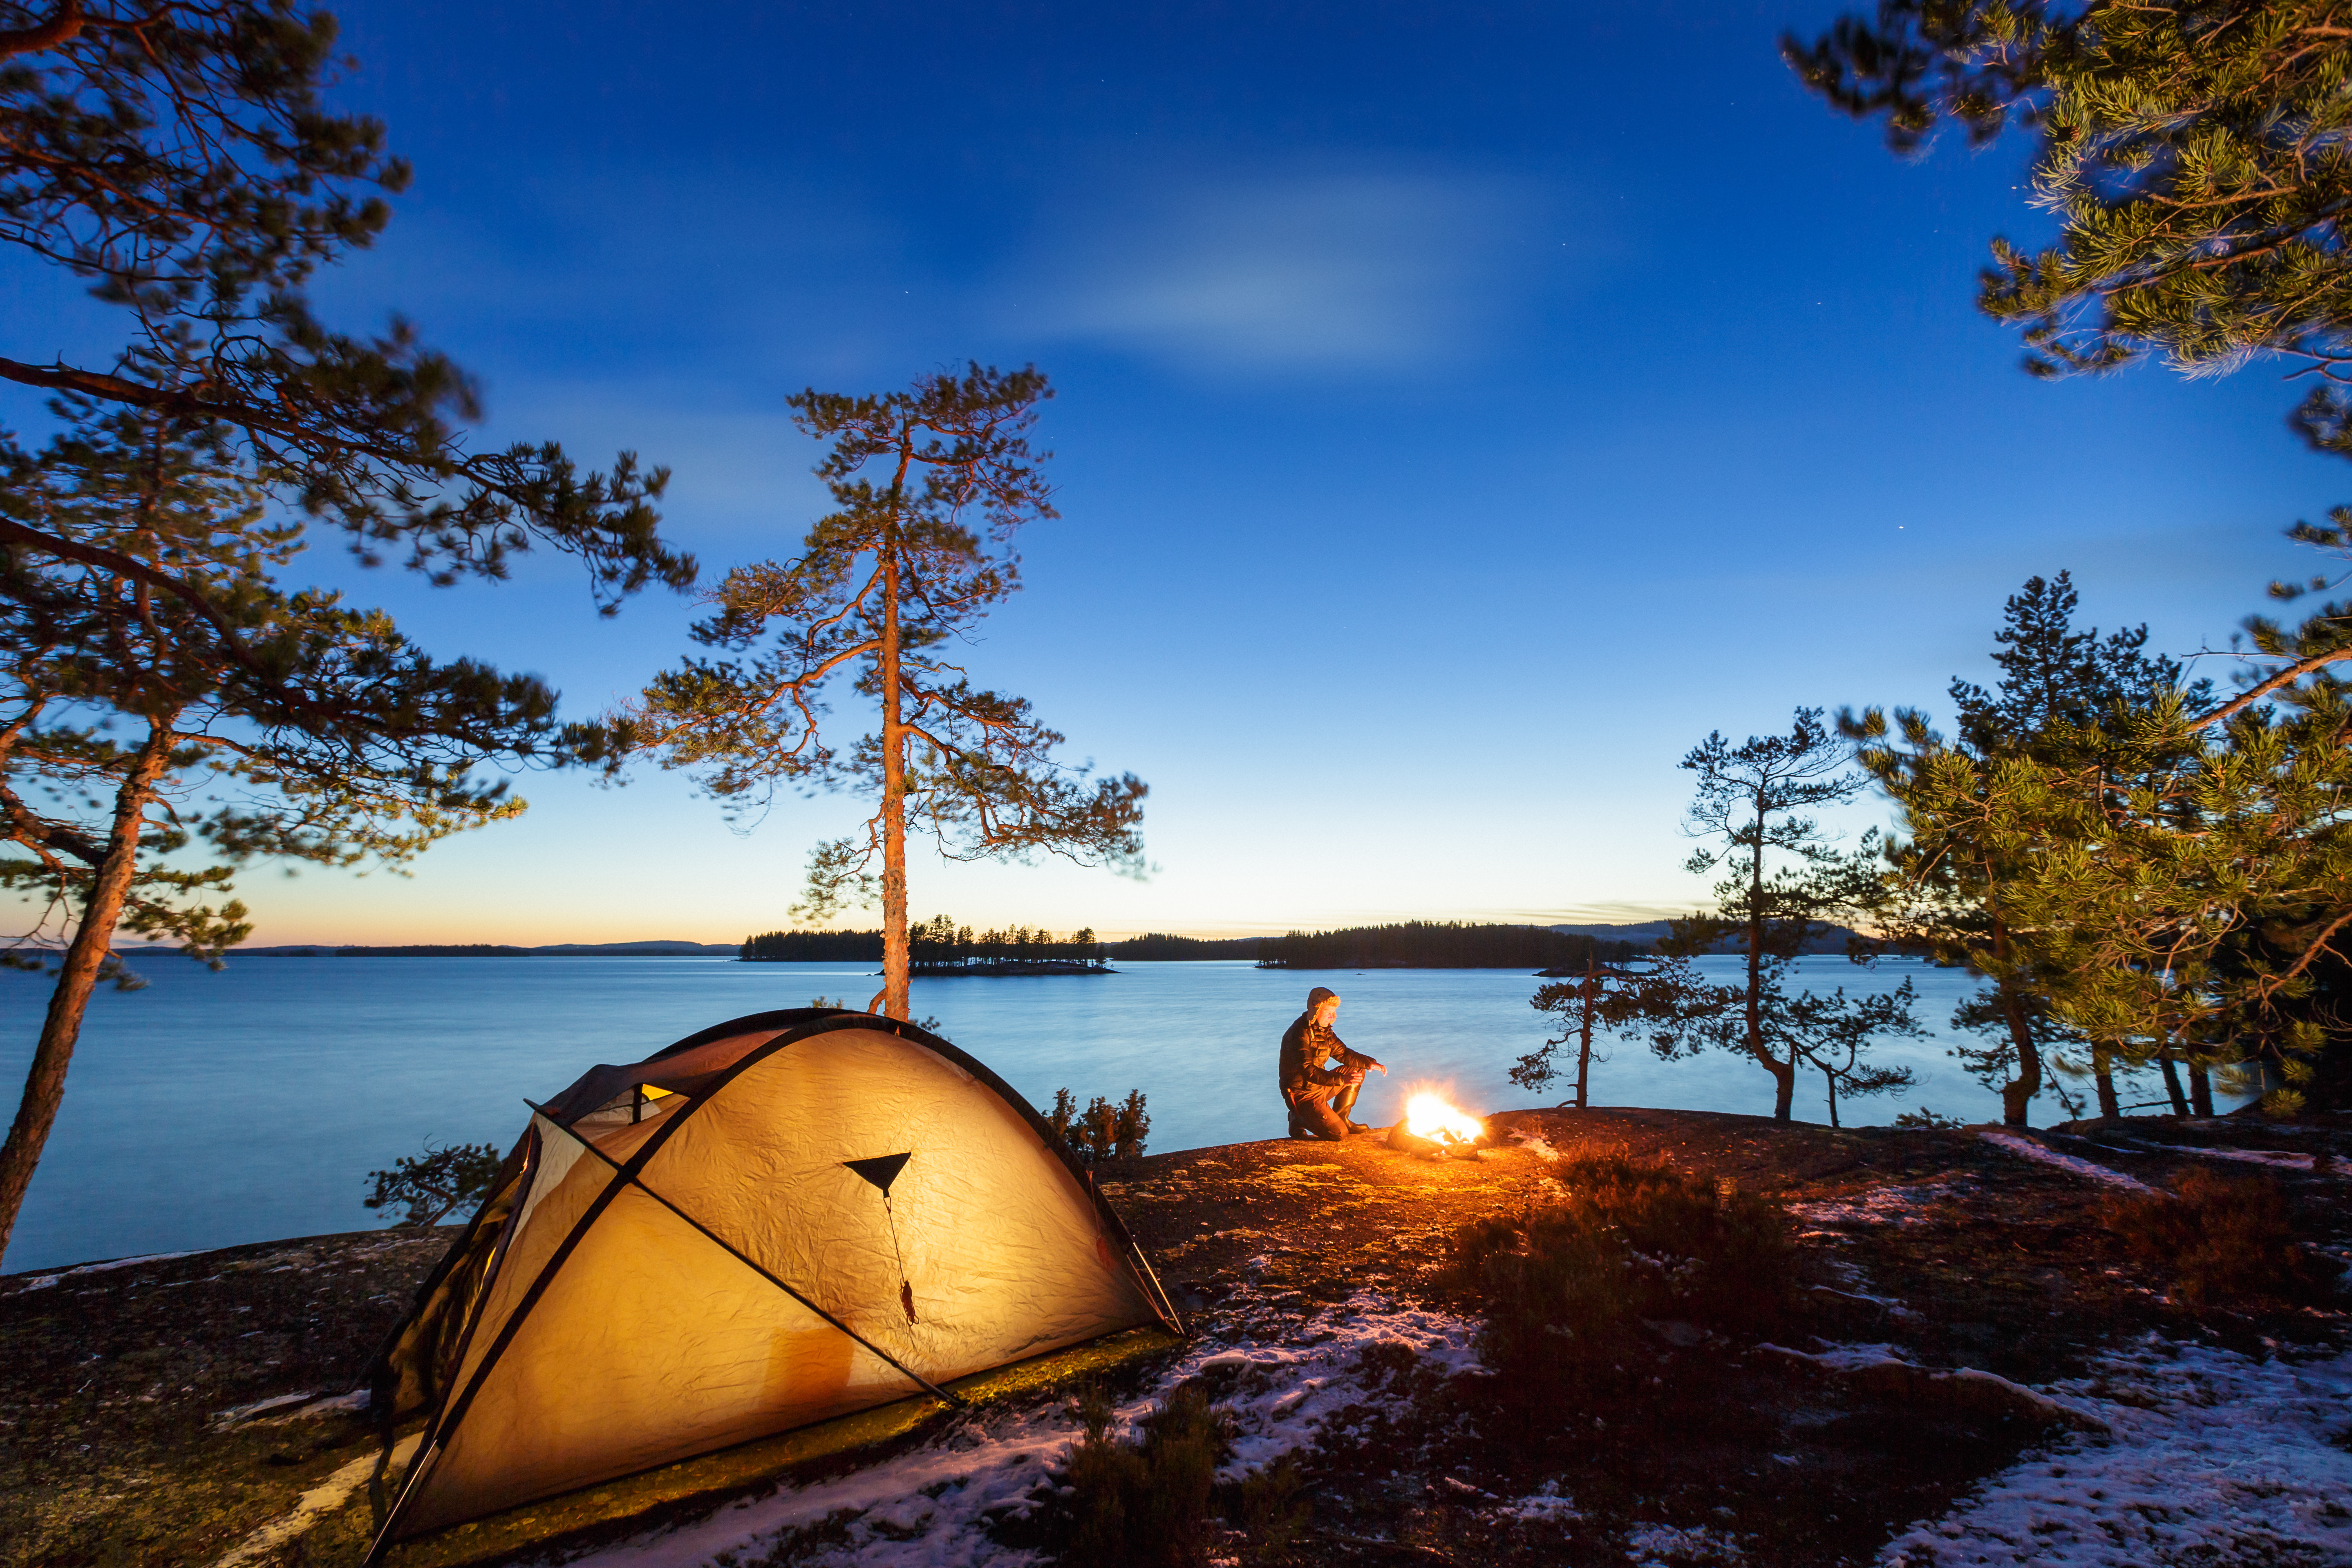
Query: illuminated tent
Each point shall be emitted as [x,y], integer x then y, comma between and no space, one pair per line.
[782,1219]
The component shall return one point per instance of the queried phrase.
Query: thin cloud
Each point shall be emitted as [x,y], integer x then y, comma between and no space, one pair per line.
[1312,273]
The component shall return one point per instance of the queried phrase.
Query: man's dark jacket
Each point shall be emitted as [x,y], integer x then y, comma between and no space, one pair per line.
[1305,1045]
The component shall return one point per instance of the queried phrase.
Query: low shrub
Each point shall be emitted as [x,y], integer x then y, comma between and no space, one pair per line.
[1144,1504]
[1270,1506]
[1563,1285]
[1101,1133]
[1154,1500]
[2220,1240]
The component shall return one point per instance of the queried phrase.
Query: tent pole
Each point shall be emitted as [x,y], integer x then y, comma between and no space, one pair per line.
[1134,1251]
[933,1389]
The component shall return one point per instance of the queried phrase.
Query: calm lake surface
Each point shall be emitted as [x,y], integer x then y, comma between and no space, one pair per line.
[212,1109]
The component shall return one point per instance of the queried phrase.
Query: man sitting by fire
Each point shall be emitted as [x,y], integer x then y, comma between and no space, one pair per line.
[1320,1096]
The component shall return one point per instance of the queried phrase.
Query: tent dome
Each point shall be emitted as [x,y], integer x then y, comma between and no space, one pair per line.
[785,1218]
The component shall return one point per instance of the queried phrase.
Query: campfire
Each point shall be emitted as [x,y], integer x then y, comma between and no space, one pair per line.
[1433,1129]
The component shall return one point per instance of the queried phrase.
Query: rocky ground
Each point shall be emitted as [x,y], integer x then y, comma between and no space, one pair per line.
[1980,1372]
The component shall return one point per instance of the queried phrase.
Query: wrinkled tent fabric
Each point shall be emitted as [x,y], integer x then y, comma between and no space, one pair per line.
[696,1251]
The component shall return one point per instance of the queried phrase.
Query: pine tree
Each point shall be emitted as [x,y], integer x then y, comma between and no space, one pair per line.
[1784,883]
[161,691]
[2193,152]
[179,155]
[1958,873]
[1602,997]
[931,485]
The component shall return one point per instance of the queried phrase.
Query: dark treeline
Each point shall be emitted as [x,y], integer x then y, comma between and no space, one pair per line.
[1431,944]
[812,946]
[1161,948]
[936,946]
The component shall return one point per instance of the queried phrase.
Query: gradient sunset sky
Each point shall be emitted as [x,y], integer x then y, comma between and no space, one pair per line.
[1464,409]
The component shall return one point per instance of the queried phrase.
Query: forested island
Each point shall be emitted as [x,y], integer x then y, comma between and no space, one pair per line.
[940,946]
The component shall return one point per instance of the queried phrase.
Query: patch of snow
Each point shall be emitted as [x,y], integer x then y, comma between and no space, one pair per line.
[1535,1143]
[1893,1305]
[241,1412]
[1658,1545]
[2028,1149]
[2212,1458]
[1887,1205]
[1546,1505]
[930,1507]
[1844,1358]
[2277,1157]
[312,1506]
[43,1281]
[1851,1357]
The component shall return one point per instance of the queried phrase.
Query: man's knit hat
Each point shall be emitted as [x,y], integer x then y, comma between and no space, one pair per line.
[1320,994]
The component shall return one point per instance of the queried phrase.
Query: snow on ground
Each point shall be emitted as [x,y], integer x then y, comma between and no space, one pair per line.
[2186,1454]
[1535,1143]
[2211,1459]
[1912,1204]
[929,1509]
[1545,1504]
[2279,1158]
[1659,1545]
[2030,1150]
[43,1281]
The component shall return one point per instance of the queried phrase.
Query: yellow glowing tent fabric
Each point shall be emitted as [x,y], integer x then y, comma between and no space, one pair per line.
[779,1220]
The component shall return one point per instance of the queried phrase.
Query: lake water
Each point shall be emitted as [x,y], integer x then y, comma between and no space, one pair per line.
[212,1109]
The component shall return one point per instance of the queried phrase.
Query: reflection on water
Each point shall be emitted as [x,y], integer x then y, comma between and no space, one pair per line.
[215,1109]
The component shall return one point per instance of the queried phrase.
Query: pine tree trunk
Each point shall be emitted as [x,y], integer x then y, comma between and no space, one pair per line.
[2017,1094]
[2103,1078]
[93,939]
[895,999]
[2200,1090]
[1830,1079]
[2172,1083]
[1584,1042]
[1784,1075]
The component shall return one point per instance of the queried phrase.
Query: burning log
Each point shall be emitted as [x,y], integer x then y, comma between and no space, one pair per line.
[1434,1130]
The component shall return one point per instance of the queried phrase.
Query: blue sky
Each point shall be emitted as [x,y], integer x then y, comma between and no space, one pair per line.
[1463,410]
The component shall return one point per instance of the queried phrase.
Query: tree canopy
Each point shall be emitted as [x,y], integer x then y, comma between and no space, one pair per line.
[2194,154]
[180,156]
[930,486]
[1964,870]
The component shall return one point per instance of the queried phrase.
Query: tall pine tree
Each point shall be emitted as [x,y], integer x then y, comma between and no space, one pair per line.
[162,692]
[1784,884]
[930,485]
[1961,865]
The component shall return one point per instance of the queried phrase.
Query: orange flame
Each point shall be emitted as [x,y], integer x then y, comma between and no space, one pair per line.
[1427,1115]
